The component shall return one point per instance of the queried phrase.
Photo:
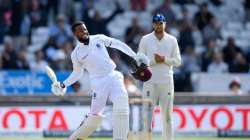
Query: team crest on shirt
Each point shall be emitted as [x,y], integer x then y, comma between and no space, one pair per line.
[148,93]
[94,95]
[98,45]
[84,57]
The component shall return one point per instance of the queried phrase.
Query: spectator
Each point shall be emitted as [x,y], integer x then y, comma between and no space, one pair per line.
[18,20]
[230,51]
[26,24]
[247,10]
[87,4]
[132,37]
[98,24]
[239,64]
[37,14]
[235,87]
[133,34]
[68,48]
[183,2]
[190,62]
[216,2]
[186,35]
[49,49]
[39,64]
[1,62]
[167,11]
[87,11]
[138,5]
[207,55]
[248,56]
[203,16]
[52,7]
[56,55]
[60,31]
[69,13]
[211,31]
[60,58]
[217,65]
[22,62]
[185,15]
[5,17]
[9,57]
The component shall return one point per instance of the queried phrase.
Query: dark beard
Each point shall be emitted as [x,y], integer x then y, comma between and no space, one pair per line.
[159,32]
[84,41]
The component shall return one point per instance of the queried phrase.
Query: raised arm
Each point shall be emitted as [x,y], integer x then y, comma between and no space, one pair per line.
[139,61]
[117,44]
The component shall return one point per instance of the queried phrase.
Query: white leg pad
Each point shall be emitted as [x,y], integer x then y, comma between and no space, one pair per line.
[87,127]
[120,118]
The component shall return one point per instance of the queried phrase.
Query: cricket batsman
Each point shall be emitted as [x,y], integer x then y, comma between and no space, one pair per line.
[163,51]
[106,83]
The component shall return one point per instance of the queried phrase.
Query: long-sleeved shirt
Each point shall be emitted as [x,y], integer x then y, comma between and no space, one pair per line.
[95,58]
[168,47]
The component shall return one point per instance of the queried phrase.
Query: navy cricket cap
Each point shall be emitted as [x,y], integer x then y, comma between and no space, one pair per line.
[159,18]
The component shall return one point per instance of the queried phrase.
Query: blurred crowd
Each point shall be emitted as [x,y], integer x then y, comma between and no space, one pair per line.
[199,35]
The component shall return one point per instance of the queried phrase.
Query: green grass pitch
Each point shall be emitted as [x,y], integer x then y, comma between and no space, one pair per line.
[177,138]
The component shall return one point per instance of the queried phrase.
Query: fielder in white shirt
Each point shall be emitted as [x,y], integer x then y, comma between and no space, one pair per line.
[163,51]
[106,83]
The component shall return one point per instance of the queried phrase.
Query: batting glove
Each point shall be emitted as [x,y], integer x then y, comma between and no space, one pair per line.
[58,89]
[140,67]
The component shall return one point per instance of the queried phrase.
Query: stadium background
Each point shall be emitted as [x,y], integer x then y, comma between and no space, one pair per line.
[212,85]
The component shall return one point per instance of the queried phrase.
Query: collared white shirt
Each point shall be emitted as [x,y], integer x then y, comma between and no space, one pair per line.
[94,57]
[168,47]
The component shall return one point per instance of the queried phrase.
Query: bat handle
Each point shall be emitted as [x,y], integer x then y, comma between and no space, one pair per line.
[54,81]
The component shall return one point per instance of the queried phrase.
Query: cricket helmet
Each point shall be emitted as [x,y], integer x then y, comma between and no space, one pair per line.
[158,17]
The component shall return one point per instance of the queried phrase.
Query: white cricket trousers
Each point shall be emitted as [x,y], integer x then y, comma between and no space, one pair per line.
[112,87]
[164,95]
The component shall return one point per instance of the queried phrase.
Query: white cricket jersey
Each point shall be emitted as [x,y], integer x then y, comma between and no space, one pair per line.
[94,57]
[167,47]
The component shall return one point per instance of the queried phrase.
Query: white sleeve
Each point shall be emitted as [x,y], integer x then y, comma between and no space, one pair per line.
[175,58]
[77,71]
[117,44]
[142,49]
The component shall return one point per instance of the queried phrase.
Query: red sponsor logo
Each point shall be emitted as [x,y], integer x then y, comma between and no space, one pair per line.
[210,115]
[56,119]
[197,117]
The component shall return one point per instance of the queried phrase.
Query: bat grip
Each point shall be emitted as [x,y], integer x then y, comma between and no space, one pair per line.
[62,85]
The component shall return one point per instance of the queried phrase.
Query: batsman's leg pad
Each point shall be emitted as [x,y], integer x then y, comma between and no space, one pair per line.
[120,118]
[87,127]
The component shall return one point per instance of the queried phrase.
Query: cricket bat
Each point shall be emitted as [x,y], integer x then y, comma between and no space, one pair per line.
[51,74]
